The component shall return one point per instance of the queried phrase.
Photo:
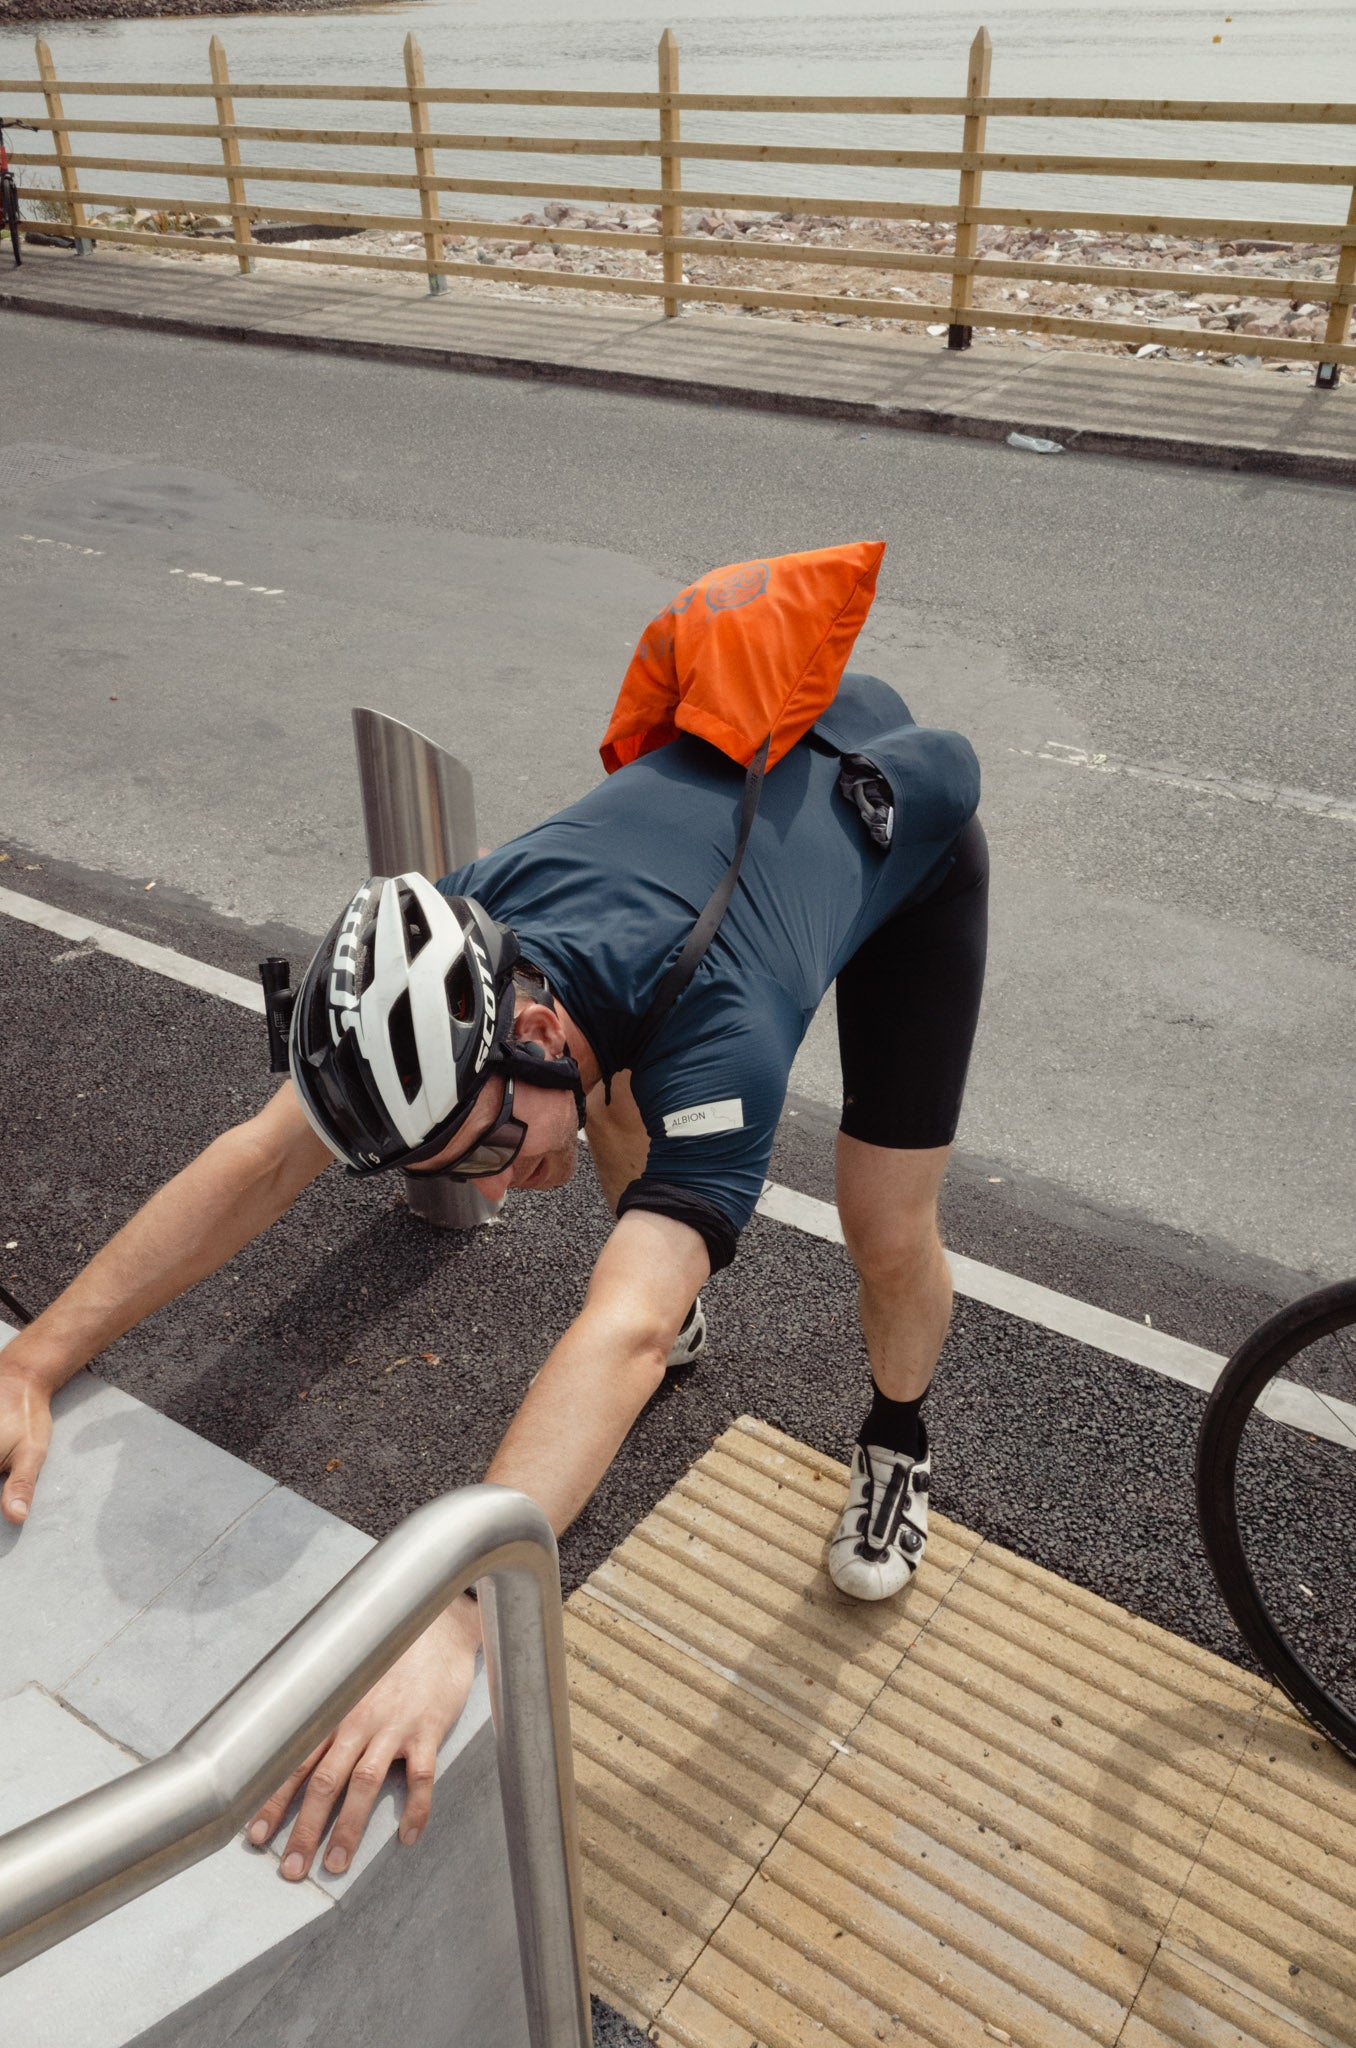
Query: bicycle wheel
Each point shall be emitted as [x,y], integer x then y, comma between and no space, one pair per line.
[9,213]
[1276,1498]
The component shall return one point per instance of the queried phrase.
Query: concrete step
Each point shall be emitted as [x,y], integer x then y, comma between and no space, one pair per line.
[154,1572]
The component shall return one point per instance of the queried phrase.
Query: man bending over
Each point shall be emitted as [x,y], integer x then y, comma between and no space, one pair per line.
[470,1029]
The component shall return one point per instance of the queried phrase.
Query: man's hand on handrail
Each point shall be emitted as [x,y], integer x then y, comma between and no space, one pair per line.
[576,1414]
[404,1717]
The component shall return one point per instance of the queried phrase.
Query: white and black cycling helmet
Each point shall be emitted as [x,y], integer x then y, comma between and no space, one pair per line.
[403,1014]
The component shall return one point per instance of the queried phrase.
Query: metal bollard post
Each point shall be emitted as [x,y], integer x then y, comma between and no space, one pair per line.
[419,811]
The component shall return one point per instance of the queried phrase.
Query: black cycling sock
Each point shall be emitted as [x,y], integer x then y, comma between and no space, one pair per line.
[893,1425]
[687,1319]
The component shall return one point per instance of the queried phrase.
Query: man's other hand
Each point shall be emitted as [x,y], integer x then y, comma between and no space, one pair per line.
[406,1714]
[25,1433]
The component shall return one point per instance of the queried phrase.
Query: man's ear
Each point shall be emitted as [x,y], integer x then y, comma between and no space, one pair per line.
[538,1024]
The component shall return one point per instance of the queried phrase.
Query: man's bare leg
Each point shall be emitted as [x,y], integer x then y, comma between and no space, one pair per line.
[888,1204]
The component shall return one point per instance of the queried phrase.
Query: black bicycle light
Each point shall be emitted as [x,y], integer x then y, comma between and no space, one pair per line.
[279,1001]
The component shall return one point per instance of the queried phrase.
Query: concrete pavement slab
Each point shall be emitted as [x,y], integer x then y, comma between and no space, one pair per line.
[215,1622]
[114,1982]
[1264,422]
[136,1502]
[225,1952]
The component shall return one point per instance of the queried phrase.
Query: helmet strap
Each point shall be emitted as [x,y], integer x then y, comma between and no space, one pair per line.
[522,1061]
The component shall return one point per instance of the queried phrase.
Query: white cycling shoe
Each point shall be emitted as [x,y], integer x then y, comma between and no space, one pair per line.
[883,1530]
[690,1342]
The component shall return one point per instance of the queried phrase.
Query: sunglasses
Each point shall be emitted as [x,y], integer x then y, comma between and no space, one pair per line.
[494,1150]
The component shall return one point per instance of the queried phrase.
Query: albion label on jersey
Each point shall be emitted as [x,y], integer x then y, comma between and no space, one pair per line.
[706,1118]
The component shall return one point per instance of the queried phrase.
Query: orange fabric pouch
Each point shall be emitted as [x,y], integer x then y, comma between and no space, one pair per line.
[748,653]
[747,657]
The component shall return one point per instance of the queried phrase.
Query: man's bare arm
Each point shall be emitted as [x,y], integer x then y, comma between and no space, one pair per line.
[242,1182]
[557,1449]
[606,1367]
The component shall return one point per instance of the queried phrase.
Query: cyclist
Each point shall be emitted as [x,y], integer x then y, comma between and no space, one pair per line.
[471,1028]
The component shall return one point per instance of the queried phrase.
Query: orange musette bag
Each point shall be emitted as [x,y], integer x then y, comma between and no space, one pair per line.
[747,658]
[747,653]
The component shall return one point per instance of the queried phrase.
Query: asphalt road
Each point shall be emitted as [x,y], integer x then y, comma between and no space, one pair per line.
[1159,1118]
[1167,1032]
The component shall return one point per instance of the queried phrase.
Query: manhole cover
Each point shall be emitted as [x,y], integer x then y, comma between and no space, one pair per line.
[39,462]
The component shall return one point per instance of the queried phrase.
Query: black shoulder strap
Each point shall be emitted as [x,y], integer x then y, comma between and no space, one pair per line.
[708,924]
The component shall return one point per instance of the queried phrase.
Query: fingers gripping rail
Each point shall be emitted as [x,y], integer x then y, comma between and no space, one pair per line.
[70,1867]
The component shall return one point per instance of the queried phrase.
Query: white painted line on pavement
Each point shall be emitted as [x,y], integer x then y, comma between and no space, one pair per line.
[1274,795]
[1171,1357]
[42,540]
[46,540]
[103,938]
[229,582]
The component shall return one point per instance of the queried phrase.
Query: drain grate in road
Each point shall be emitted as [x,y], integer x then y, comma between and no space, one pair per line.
[41,462]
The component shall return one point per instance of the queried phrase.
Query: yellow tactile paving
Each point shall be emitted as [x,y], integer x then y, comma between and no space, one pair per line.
[1002,1810]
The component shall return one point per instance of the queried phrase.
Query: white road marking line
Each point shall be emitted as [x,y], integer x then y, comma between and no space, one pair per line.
[1170,1357]
[1274,796]
[43,540]
[229,583]
[103,938]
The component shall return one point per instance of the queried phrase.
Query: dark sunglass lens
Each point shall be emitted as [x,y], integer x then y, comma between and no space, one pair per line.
[486,1159]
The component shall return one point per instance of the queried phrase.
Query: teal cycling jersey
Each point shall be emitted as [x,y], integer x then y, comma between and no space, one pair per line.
[602,895]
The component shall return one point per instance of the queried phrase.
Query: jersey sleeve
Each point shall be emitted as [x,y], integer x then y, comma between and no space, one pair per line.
[710,1090]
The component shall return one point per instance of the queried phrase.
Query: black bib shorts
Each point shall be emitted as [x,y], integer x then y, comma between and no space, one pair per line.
[908,1004]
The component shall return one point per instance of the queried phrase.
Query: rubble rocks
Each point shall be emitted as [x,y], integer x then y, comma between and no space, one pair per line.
[12,12]
[1197,309]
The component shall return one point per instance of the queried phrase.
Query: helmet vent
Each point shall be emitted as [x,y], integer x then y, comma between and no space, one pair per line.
[417,934]
[461,994]
[401,1026]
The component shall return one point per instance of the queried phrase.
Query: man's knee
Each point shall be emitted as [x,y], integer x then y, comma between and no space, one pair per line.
[897,1246]
[888,1204]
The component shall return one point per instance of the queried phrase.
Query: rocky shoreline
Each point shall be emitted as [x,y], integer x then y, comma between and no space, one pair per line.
[1195,308]
[14,13]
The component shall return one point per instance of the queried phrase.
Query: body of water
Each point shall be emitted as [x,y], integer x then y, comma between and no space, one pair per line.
[1287,50]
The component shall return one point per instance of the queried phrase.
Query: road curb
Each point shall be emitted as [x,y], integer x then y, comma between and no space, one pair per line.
[1241,457]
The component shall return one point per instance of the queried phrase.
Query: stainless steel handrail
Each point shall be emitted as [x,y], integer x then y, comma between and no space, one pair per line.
[71,1866]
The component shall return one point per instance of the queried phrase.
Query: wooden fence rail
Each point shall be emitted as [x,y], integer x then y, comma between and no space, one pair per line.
[957,267]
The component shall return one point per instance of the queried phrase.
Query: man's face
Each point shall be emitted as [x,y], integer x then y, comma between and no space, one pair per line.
[550,1151]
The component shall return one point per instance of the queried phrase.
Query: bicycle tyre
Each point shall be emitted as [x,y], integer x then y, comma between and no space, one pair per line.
[9,213]
[1255,1364]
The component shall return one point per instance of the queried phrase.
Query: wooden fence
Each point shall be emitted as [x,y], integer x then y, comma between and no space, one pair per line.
[960,265]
